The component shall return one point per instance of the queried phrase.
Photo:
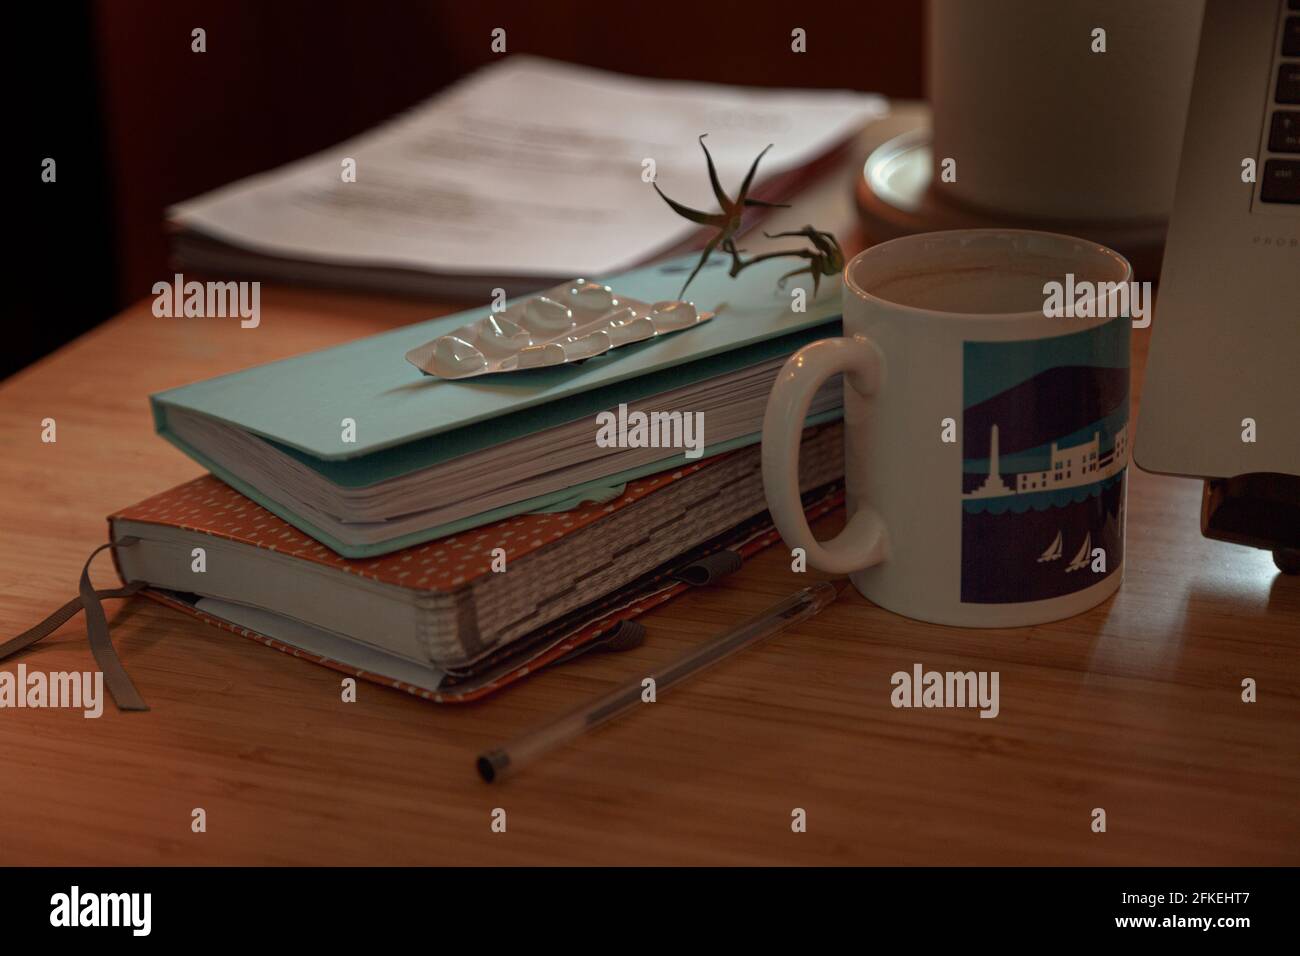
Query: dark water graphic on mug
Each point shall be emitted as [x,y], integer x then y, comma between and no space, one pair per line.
[1044,464]
[1042,554]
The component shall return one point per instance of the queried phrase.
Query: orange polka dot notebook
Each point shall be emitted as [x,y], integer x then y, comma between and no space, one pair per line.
[456,618]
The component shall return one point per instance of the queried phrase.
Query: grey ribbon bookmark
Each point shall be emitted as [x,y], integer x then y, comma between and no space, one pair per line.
[115,677]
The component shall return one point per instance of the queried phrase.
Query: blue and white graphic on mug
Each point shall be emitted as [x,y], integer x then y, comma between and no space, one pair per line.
[1045,447]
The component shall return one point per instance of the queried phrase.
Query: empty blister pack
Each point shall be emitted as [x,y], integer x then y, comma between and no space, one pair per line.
[568,323]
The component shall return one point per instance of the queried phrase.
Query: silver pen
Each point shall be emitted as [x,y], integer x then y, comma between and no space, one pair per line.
[803,604]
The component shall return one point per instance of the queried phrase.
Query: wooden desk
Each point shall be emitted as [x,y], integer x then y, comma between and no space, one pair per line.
[1134,707]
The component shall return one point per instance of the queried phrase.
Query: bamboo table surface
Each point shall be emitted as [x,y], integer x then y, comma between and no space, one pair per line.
[1134,707]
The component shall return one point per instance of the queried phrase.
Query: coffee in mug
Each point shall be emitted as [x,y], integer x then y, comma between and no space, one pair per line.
[986,429]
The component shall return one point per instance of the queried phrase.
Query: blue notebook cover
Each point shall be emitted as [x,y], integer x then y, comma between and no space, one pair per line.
[407,421]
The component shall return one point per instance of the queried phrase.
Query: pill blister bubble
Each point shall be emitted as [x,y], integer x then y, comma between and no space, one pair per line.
[453,357]
[539,356]
[592,297]
[498,336]
[575,350]
[545,315]
[631,328]
[671,316]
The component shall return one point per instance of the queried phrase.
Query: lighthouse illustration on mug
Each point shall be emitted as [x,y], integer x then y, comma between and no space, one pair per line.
[1044,459]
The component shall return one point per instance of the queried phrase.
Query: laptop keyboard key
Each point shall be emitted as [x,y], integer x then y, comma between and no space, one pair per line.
[1284,133]
[1288,83]
[1281,181]
[1291,37]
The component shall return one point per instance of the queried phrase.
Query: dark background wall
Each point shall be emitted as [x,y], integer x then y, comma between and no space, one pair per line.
[137,121]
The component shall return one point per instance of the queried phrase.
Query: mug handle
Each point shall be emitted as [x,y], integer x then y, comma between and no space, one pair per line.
[862,542]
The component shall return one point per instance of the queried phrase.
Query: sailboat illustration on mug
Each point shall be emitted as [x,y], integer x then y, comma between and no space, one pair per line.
[1053,550]
[1085,553]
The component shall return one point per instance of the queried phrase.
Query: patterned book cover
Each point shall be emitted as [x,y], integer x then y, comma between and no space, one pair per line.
[208,506]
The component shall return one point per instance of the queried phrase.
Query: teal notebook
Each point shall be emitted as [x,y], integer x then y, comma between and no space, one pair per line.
[407,422]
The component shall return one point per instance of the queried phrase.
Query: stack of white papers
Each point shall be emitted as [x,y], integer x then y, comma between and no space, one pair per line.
[527,169]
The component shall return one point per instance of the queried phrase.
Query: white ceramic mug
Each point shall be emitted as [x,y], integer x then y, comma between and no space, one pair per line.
[986,442]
